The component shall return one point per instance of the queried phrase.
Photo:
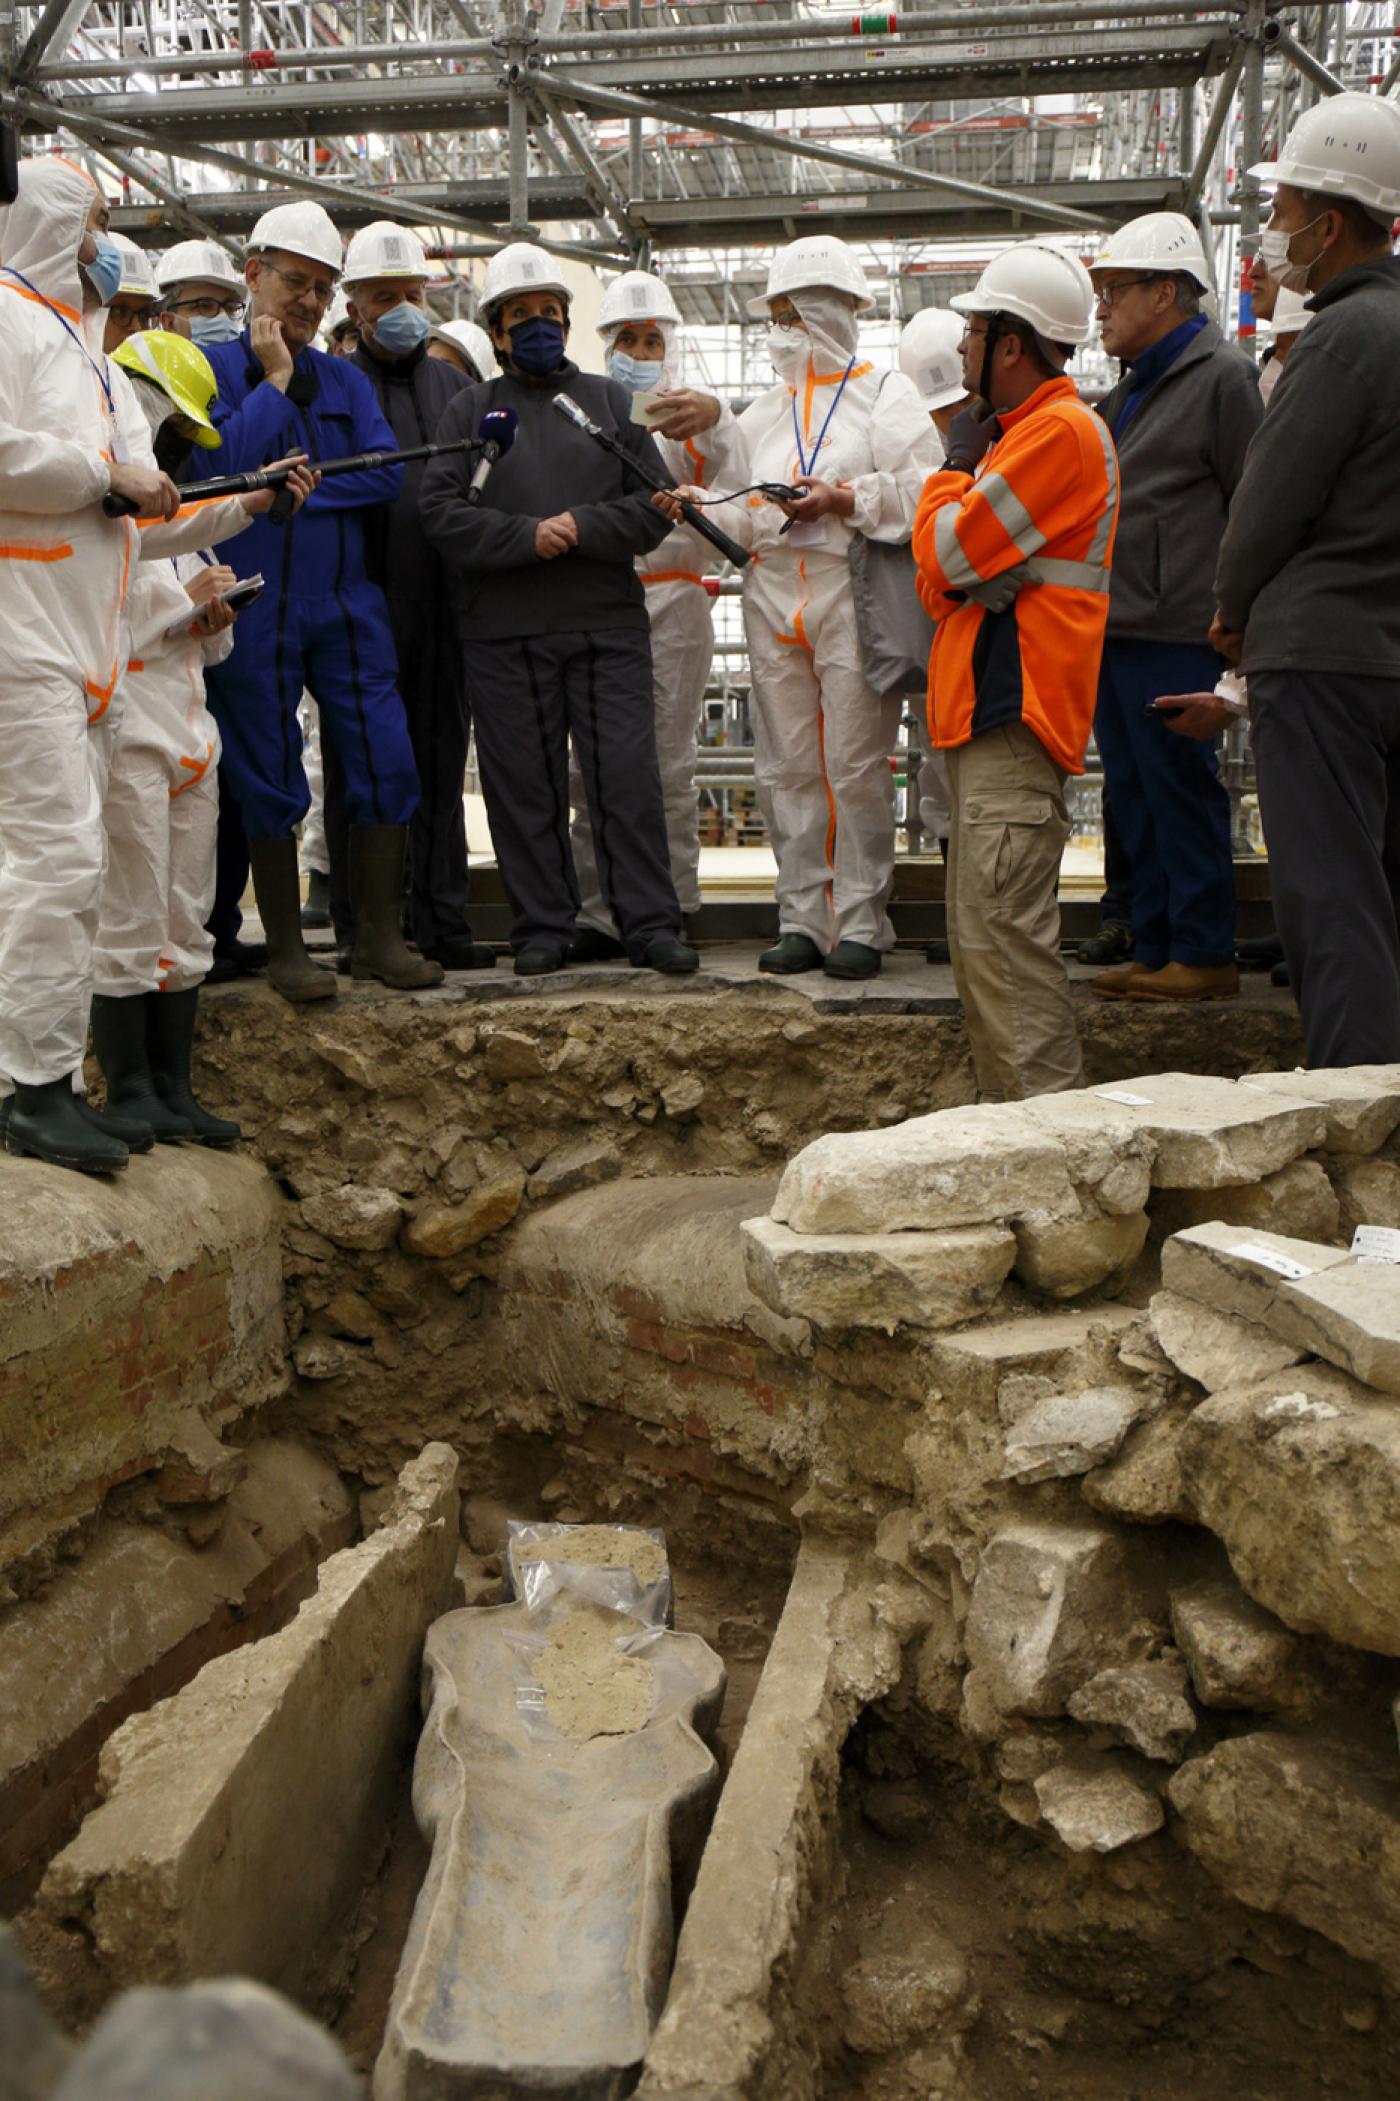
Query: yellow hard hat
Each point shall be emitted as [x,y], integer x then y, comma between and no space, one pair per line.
[181,370]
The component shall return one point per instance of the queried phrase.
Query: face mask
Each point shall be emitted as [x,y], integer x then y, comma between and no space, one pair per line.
[787,348]
[402,329]
[104,272]
[172,450]
[537,346]
[1273,253]
[218,328]
[638,374]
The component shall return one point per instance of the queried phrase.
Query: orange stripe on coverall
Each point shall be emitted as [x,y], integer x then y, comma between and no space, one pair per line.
[104,693]
[36,554]
[196,768]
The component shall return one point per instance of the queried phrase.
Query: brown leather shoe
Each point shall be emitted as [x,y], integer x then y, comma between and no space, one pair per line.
[1113,984]
[1187,981]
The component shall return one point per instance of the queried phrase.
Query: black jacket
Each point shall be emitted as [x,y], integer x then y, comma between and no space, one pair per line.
[414,393]
[500,585]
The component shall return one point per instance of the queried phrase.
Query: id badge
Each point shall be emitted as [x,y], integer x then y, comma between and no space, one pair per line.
[121,451]
[808,532]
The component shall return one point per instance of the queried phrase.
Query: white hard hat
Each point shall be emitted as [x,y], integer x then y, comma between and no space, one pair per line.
[475,341]
[198,262]
[302,229]
[138,278]
[928,354]
[1345,146]
[520,267]
[1165,241]
[1291,313]
[1040,283]
[636,296]
[818,262]
[384,250]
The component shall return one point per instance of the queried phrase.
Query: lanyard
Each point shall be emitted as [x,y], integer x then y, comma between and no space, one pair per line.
[802,460]
[102,380]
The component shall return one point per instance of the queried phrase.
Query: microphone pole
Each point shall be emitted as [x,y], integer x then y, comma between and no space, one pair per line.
[277,477]
[706,527]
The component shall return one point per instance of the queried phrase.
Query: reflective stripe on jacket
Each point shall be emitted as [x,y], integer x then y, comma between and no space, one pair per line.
[1042,508]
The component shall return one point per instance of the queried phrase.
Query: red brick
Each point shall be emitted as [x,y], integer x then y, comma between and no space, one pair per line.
[716,1354]
[637,1305]
[657,1342]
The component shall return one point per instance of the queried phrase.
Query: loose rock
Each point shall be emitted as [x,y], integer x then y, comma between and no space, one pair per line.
[1064,1257]
[1298,1200]
[1072,1432]
[442,1230]
[1238,1654]
[1051,1605]
[1094,1804]
[1144,1484]
[1216,1349]
[1144,1704]
[354,1216]
[957,1167]
[877,1280]
[892,2001]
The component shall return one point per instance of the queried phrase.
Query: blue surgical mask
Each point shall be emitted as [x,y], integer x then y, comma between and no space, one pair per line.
[217,328]
[638,374]
[401,329]
[104,272]
[537,346]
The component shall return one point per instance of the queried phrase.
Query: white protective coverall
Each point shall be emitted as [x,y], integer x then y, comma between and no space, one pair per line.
[822,738]
[682,649]
[65,573]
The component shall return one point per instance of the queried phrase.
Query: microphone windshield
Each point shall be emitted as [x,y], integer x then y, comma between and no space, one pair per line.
[498,427]
[567,406]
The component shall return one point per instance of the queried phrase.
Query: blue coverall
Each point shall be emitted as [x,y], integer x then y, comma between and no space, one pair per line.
[320,623]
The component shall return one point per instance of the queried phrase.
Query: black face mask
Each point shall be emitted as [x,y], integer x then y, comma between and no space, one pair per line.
[172,451]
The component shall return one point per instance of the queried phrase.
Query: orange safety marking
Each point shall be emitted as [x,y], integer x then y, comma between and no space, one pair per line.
[197,768]
[135,664]
[104,693]
[672,576]
[186,510]
[38,299]
[701,463]
[36,554]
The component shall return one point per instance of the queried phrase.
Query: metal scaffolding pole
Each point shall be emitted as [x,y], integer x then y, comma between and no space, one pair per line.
[1311,68]
[1257,26]
[515,44]
[1215,125]
[54,26]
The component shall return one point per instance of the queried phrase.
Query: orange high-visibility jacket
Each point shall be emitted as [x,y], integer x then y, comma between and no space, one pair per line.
[1044,499]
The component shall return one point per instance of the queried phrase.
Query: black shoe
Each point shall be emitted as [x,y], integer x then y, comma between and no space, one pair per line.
[222,971]
[1259,954]
[1279,975]
[170,1047]
[1111,944]
[792,953]
[589,946]
[46,1123]
[938,952]
[119,1039]
[852,959]
[538,959]
[460,952]
[670,955]
[316,912]
[243,959]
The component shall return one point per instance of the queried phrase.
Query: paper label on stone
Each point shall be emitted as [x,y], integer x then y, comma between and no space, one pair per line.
[1284,1265]
[1129,1101]
[1376,1244]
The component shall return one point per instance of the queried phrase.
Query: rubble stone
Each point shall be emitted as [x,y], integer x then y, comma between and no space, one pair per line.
[1069,1433]
[1051,1605]
[354,1216]
[1144,1704]
[1238,1654]
[892,2001]
[1213,1265]
[1095,1804]
[1144,1484]
[1362,1101]
[1216,1349]
[1351,1316]
[877,1280]
[1300,1826]
[227,2040]
[1067,1256]
[440,1230]
[1105,1150]
[1298,1200]
[1208,1133]
[1367,1192]
[1299,1475]
[971,1365]
[581,1164]
[957,1167]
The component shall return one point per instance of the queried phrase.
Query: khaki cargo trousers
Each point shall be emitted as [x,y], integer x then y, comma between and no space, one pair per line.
[1009,827]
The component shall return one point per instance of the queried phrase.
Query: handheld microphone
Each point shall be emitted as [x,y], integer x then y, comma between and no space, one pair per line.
[497,435]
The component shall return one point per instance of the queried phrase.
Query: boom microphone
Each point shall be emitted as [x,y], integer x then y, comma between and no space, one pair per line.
[730,549]
[495,436]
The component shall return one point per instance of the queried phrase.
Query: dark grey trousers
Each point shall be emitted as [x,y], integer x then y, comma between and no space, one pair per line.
[528,697]
[1327,755]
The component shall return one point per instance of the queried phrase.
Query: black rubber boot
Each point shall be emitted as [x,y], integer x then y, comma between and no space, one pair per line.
[119,1039]
[46,1123]
[277,887]
[316,912]
[170,1046]
[791,954]
[668,954]
[852,959]
[589,946]
[460,952]
[538,959]
[377,855]
[130,1131]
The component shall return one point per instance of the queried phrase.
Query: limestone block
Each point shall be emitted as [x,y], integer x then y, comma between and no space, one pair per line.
[1144,1485]
[1228,1267]
[227,2040]
[1208,1133]
[1051,1605]
[1300,1826]
[541,1942]
[972,1365]
[1103,1142]
[1067,1256]
[957,1167]
[581,1164]
[1367,1192]
[1238,1654]
[1216,1349]
[354,1216]
[877,1280]
[509,1055]
[1298,1200]
[1299,1475]
[1362,1102]
[1349,1314]
[192,1865]
[1068,1433]
[440,1230]
[894,2001]
[34,2052]
[1096,1804]
[1145,1706]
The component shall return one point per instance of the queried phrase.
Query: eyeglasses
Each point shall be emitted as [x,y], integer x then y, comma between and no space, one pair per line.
[1108,295]
[132,318]
[207,309]
[788,321]
[320,288]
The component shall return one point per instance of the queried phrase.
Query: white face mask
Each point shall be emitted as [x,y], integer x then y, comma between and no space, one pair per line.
[1273,254]
[788,349]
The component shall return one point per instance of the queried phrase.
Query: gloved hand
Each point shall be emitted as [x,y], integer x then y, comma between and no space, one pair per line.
[967,439]
[1001,592]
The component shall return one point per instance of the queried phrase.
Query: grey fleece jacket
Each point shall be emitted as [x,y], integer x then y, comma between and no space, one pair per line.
[1310,566]
[1180,458]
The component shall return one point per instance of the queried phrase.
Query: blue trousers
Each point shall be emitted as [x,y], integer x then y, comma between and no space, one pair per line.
[340,649]
[1169,806]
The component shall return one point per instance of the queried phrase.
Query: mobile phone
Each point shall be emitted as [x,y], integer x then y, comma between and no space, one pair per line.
[1154,707]
[243,593]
